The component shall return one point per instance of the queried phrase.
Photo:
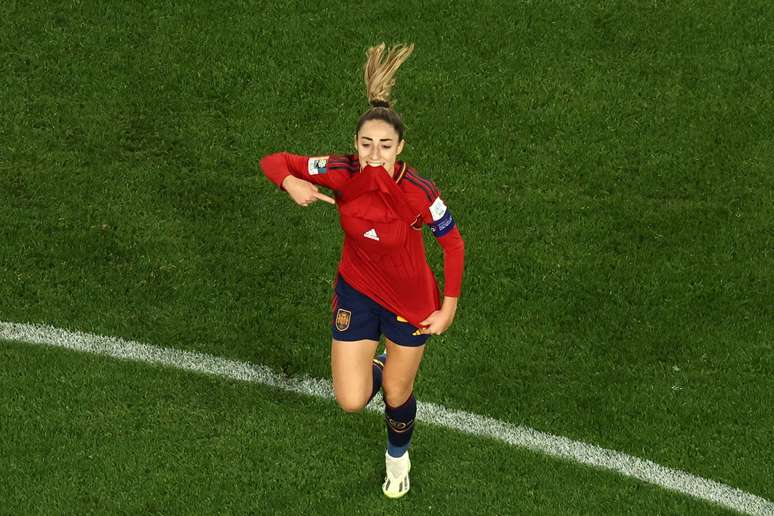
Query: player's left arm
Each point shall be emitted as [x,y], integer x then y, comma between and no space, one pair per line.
[447,234]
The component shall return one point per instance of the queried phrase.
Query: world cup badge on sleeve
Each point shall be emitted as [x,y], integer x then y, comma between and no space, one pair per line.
[318,165]
[343,317]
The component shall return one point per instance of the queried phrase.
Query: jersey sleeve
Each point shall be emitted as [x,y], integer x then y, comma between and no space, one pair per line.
[443,226]
[325,171]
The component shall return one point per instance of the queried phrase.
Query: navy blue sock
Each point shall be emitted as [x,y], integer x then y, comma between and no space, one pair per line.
[400,426]
[378,369]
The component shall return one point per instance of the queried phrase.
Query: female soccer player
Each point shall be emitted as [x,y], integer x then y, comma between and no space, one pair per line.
[384,285]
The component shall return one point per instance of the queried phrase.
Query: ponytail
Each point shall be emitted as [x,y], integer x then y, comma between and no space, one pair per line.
[379,75]
[379,71]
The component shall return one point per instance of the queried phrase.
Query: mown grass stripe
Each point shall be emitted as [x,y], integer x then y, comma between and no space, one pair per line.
[473,424]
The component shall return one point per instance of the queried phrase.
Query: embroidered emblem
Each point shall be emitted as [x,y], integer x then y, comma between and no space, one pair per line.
[318,165]
[343,317]
[371,233]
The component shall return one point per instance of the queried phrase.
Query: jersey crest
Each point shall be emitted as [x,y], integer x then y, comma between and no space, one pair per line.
[343,317]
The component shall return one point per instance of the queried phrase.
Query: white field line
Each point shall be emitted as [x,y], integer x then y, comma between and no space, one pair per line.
[465,422]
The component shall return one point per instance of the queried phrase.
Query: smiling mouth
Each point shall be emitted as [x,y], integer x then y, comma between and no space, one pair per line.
[376,163]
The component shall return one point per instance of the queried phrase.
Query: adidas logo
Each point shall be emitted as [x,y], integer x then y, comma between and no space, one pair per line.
[371,233]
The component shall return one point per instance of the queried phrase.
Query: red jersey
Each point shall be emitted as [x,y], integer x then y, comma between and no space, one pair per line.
[382,217]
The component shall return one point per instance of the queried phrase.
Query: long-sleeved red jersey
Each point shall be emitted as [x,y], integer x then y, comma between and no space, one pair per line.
[382,218]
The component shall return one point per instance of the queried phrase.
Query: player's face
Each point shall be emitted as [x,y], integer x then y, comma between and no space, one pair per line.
[377,145]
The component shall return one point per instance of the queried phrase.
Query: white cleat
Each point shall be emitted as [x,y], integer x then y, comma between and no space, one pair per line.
[396,482]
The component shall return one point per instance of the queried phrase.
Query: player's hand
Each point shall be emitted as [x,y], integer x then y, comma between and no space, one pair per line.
[439,321]
[303,192]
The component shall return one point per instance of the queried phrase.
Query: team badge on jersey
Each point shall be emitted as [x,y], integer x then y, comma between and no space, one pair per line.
[343,318]
[317,165]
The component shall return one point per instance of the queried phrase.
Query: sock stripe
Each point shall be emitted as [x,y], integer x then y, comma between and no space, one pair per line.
[396,425]
[376,370]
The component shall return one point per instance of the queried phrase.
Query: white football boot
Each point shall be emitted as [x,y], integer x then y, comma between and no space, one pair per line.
[396,482]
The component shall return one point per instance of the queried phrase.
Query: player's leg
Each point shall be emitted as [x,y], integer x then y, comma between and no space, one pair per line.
[355,330]
[400,371]
[352,371]
[400,410]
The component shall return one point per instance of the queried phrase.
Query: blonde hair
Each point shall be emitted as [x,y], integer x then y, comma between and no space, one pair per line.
[379,71]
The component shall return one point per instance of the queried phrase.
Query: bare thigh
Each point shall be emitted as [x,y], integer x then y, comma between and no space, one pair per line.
[352,372]
[400,371]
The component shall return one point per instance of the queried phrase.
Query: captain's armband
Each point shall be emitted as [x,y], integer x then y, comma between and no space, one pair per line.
[442,220]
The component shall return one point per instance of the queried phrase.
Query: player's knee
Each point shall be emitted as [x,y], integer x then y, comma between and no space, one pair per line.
[350,403]
[396,393]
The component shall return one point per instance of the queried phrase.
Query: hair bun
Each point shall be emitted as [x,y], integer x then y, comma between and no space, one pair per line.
[380,103]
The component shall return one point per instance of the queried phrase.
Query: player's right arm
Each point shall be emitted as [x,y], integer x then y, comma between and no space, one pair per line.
[299,176]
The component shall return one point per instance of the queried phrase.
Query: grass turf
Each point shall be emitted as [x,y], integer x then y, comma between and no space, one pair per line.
[89,435]
[608,163]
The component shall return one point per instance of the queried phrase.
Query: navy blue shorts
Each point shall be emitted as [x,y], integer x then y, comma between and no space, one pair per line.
[357,317]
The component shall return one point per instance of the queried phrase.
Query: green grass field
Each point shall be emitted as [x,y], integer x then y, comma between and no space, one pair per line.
[610,168]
